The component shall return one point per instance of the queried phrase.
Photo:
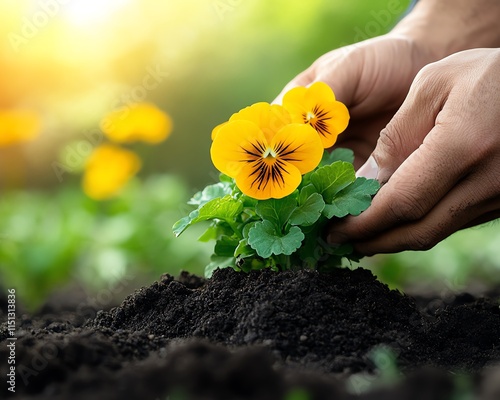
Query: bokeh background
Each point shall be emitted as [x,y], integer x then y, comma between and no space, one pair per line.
[71,62]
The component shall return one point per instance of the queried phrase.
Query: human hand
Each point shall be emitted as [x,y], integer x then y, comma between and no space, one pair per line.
[372,79]
[438,159]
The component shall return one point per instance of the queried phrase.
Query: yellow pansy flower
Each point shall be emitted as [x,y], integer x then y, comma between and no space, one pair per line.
[317,106]
[266,157]
[107,170]
[269,118]
[18,126]
[137,122]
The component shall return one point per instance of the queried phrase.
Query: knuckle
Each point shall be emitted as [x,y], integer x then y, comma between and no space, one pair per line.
[428,74]
[395,141]
[424,236]
[421,239]
[405,207]
[430,85]
[364,231]
[390,139]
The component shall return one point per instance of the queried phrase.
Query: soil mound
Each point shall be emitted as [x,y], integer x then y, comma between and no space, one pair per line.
[256,336]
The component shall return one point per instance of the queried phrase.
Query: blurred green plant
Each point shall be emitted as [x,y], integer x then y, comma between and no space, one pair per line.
[298,394]
[48,239]
[467,260]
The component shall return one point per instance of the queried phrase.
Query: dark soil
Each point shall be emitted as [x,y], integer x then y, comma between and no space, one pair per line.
[293,335]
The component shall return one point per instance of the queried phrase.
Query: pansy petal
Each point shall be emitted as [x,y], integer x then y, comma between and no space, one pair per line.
[300,145]
[293,102]
[294,95]
[316,106]
[319,92]
[269,118]
[216,130]
[236,143]
[334,122]
[262,180]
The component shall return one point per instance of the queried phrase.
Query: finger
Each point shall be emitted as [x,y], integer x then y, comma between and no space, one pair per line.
[303,79]
[466,205]
[341,69]
[410,161]
[361,136]
[484,218]
[414,120]
[419,183]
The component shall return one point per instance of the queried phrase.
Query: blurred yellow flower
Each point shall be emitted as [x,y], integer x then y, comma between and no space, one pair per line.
[317,106]
[18,126]
[107,170]
[137,122]
[265,155]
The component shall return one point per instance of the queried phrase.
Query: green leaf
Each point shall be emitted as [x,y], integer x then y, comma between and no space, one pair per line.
[312,248]
[219,262]
[243,250]
[226,179]
[210,234]
[331,179]
[266,240]
[353,199]
[277,211]
[339,154]
[225,246]
[248,201]
[247,227]
[181,225]
[305,192]
[211,192]
[215,231]
[309,211]
[226,208]
[315,251]
[255,264]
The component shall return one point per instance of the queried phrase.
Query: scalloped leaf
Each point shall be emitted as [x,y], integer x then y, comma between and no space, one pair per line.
[266,240]
[354,199]
[340,154]
[277,211]
[309,211]
[331,179]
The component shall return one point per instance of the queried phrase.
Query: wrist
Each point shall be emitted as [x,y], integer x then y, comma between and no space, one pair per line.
[443,27]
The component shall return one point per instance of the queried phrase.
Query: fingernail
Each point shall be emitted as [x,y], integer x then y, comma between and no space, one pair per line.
[368,170]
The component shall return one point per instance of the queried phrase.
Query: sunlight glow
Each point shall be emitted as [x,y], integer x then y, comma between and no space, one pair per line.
[88,12]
